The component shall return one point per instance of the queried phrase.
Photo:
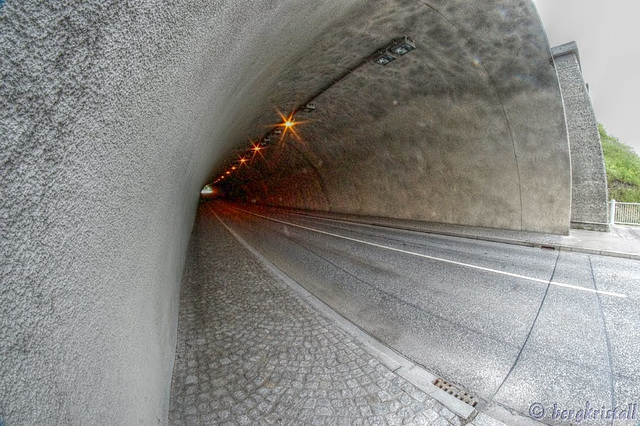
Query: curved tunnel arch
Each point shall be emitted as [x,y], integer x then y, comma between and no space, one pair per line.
[101,98]
[449,86]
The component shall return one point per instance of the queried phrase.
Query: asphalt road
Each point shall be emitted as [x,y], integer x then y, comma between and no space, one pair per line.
[513,325]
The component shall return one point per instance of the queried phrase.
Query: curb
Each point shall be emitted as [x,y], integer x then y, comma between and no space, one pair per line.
[554,246]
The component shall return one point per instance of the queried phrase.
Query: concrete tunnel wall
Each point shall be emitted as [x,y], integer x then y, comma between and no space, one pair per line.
[114,114]
[466,129]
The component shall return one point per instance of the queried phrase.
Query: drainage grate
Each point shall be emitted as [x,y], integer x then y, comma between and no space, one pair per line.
[455,392]
[543,247]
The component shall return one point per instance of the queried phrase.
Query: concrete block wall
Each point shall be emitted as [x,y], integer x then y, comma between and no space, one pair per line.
[588,174]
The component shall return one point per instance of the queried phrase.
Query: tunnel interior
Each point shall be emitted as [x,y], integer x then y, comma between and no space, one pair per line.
[116,114]
[467,128]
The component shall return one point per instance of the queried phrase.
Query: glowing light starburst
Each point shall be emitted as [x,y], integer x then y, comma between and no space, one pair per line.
[288,124]
[256,149]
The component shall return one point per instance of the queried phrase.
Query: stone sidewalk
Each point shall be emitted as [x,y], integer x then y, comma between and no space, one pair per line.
[251,352]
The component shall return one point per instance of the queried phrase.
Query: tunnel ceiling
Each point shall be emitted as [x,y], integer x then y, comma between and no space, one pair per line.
[468,128]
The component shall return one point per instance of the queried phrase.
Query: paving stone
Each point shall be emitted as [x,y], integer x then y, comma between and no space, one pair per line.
[323,411]
[430,415]
[440,421]
[393,405]
[444,412]
[455,421]
[484,420]
[379,409]
[394,420]
[251,352]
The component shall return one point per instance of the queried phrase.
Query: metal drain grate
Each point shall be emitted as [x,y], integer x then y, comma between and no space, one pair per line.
[455,392]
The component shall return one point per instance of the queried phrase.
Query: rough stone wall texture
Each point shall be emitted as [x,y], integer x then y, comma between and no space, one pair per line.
[589,179]
[113,114]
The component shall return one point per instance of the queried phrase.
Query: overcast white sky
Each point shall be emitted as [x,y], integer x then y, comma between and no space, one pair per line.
[608,36]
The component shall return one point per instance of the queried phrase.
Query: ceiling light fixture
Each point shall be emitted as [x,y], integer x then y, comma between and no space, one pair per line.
[384,59]
[406,45]
[309,107]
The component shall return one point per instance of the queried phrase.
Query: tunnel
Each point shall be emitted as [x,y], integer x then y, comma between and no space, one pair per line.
[466,128]
[116,114]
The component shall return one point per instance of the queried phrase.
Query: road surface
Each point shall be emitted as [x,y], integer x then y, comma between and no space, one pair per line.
[513,325]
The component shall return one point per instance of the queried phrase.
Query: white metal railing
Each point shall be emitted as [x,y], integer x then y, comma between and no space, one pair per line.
[624,213]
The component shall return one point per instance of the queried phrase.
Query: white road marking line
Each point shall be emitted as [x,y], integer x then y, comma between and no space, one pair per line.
[453,262]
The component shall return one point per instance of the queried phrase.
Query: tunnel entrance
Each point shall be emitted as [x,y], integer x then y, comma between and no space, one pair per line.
[458,119]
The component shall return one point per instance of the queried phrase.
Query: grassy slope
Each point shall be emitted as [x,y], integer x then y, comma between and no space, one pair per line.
[623,168]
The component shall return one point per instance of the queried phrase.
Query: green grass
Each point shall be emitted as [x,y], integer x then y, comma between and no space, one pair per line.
[623,168]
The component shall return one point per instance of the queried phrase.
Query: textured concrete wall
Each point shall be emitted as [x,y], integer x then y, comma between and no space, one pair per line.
[466,129]
[114,113]
[589,179]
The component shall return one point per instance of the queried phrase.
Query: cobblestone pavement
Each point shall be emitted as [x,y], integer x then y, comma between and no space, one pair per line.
[251,352]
